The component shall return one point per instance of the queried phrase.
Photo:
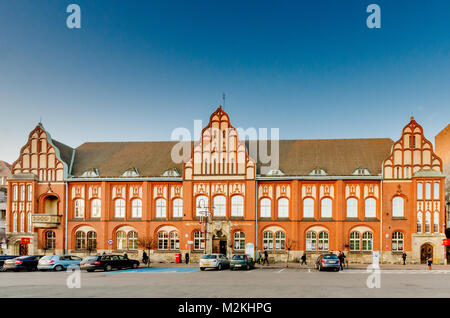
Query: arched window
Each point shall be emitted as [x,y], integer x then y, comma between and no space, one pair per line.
[355,241]
[15,222]
[239,241]
[308,208]
[436,191]
[427,191]
[199,240]
[352,208]
[132,240]
[311,241]
[174,240]
[397,241]
[50,239]
[266,206]
[419,191]
[436,222]
[419,222]
[283,208]
[119,210]
[220,206]
[178,208]
[79,208]
[268,240]
[121,240]
[280,240]
[397,207]
[326,208]
[323,241]
[160,208]
[136,208]
[29,223]
[80,240]
[371,208]
[237,205]
[92,241]
[22,222]
[428,222]
[163,240]
[96,208]
[367,241]
[201,205]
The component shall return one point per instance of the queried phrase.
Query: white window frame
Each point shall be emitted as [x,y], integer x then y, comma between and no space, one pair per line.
[326,208]
[205,205]
[239,241]
[15,222]
[199,240]
[324,241]
[419,191]
[132,238]
[121,240]
[436,191]
[79,208]
[308,208]
[266,208]
[367,241]
[177,208]
[427,191]
[96,208]
[370,209]
[268,240]
[398,207]
[355,241]
[283,208]
[397,242]
[352,208]
[436,222]
[280,241]
[30,192]
[427,222]
[22,222]
[29,223]
[161,208]
[419,222]
[311,241]
[237,205]
[174,241]
[119,208]
[220,206]
[136,208]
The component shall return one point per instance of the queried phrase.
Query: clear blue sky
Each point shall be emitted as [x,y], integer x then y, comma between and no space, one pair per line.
[138,69]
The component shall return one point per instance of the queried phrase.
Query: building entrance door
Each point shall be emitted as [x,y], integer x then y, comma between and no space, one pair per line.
[426,250]
[223,247]
[23,249]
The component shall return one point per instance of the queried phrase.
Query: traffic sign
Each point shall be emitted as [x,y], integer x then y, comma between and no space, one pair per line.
[110,242]
[190,242]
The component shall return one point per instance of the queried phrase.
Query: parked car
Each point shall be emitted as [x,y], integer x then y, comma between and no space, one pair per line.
[58,262]
[3,258]
[328,261]
[28,263]
[107,263]
[217,261]
[242,261]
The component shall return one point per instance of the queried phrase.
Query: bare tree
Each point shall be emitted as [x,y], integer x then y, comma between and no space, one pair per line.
[147,243]
[288,245]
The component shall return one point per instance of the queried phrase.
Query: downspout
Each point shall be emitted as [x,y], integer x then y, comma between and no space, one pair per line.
[256,219]
[381,214]
[69,173]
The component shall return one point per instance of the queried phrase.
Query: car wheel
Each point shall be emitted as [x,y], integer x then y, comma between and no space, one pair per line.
[247,267]
[2,269]
[58,268]
[108,268]
[219,267]
[202,268]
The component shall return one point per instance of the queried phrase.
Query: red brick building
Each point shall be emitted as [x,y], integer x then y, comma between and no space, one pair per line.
[356,195]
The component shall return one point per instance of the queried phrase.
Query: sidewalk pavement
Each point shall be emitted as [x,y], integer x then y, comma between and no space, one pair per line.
[310,266]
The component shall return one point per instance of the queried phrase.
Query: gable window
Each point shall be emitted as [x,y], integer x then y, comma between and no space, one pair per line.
[136,208]
[160,208]
[283,208]
[419,191]
[308,208]
[177,208]
[436,222]
[436,191]
[419,222]
[265,208]
[174,240]
[354,241]
[326,208]
[239,241]
[201,205]
[96,208]
[311,241]
[219,206]
[397,242]
[371,208]
[397,207]
[237,205]
[119,209]
[79,208]
[352,208]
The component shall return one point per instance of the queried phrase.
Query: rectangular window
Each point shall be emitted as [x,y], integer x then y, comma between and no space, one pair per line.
[436,191]
[419,191]
[427,191]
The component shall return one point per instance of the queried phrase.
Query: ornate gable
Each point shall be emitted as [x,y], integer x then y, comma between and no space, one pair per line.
[219,153]
[411,153]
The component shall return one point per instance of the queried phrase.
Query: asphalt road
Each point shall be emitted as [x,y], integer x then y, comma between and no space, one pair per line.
[228,284]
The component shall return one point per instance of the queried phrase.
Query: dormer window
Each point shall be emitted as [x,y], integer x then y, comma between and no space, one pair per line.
[91,173]
[361,172]
[275,172]
[318,172]
[171,173]
[133,172]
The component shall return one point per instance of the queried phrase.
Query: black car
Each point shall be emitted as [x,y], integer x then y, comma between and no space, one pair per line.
[28,263]
[3,258]
[107,263]
[328,261]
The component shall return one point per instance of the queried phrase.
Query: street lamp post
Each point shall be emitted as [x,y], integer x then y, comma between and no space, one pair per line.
[204,218]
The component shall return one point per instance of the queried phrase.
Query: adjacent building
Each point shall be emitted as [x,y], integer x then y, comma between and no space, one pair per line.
[356,195]
[5,173]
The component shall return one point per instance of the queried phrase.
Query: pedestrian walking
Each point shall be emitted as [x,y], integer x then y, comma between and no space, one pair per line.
[125,255]
[404,258]
[304,259]
[258,257]
[429,261]
[186,257]
[144,258]
[266,257]
[341,260]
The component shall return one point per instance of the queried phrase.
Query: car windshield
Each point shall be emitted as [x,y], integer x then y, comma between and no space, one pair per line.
[239,257]
[209,256]
[330,256]
[90,258]
[22,257]
[47,257]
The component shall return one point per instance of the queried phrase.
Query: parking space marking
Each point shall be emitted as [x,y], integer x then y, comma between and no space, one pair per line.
[158,270]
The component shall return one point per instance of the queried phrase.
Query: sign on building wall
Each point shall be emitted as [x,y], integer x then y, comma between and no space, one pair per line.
[25,240]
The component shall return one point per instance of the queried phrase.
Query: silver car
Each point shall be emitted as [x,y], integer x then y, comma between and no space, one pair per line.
[217,261]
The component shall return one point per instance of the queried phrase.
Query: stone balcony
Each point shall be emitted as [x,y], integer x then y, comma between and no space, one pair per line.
[46,220]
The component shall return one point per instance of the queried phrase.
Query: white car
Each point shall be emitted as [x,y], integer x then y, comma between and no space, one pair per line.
[217,261]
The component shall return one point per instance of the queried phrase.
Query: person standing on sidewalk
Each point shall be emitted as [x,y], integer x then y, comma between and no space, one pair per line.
[404,258]
[429,261]
[144,258]
[186,257]
[266,257]
[341,260]
[304,258]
